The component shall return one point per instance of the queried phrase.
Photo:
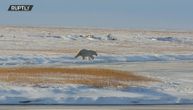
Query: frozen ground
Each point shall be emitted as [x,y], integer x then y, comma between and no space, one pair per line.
[163,55]
[72,94]
[26,60]
[97,107]
[176,88]
[57,41]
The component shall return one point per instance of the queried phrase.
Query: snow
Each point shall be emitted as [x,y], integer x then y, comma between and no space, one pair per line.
[19,60]
[167,56]
[179,40]
[79,94]
[75,37]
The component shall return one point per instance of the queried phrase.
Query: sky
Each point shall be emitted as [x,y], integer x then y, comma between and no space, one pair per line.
[134,14]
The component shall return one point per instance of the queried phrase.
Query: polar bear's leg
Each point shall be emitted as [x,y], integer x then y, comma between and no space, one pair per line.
[83,57]
[92,57]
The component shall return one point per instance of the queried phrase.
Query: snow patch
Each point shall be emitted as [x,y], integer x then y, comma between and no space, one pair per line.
[78,94]
[66,59]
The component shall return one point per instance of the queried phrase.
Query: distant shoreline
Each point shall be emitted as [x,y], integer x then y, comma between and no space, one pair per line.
[101,28]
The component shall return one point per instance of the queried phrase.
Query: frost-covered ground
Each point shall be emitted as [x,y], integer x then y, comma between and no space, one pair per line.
[163,55]
[77,94]
[26,60]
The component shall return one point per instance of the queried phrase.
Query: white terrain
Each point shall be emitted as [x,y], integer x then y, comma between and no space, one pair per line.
[163,57]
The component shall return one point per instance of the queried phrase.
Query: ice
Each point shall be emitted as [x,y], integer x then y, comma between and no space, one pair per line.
[66,59]
[179,40]
[169,39]
[128,50]
[79,94]
[76,37]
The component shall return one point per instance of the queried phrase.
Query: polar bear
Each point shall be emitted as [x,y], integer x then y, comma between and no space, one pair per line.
[86,53]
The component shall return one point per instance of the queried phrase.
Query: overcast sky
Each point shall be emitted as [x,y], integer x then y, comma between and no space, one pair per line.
[145,14]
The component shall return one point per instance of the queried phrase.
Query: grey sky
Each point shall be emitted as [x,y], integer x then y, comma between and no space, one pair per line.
[148,14]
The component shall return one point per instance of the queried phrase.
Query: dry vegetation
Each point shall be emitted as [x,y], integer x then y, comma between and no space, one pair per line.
[87,76]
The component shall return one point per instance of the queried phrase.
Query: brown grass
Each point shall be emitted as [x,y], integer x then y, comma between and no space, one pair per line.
[87,76]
